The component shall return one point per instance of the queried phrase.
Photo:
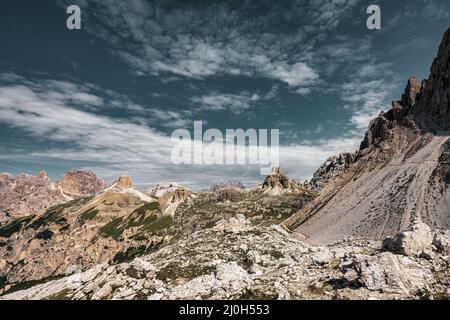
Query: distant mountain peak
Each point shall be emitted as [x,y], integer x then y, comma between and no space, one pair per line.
[278,183]
[399,175]
[227,185]
[26,194]
[124,185]
[124,182]
[424,107]
[433,107]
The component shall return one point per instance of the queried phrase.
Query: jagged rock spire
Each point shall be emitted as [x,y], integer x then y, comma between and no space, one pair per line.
[124,182]
[433,108]
[424,106]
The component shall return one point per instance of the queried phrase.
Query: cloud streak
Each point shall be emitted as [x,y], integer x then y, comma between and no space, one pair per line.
[116,146]
[224,38]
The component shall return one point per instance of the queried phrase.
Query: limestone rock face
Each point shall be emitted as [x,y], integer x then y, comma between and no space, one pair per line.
[278,183]
[410,242]
[113,225]
[237,259]
[81,183]
[433,107]
[442,242]
[388,273]
[400,174]
[330,169]
[26,194]
[227,185]
[170,196]
[124,182]
[412,92]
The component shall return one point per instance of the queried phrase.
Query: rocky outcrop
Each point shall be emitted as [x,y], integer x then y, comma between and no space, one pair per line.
[400,174]
[410,242]
[207,208]
[442,242]
[332,168]
[170,196]
[25,194]
[124,182]
[387,273]
[227,185]
[81,183]
[236,259]
[162,188]
[278,183]
[433,108]
[124,185]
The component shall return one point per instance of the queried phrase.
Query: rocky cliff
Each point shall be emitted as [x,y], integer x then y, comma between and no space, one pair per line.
[25,194]
[278,183]
[237,259]
[400,173]
[369,225]
[114,225]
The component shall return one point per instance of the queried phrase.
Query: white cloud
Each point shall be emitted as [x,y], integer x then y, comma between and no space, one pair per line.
[207,41]
[117,146]
[236,103]
[366,99]
[434,10]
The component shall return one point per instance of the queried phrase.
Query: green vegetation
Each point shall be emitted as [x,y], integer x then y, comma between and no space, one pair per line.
[129,254]
[65,294]
[88,215]
[153,206]
[45,235]
[112,229]
[53,214]
[145,217]
[14,226]
[2,281]
[174,271]
[139,237]
[135,252]
[159,225]
[28,284]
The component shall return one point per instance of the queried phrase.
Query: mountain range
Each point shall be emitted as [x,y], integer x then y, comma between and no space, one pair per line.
[369,225]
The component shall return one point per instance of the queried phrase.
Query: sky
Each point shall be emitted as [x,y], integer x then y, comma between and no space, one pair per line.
[108,97]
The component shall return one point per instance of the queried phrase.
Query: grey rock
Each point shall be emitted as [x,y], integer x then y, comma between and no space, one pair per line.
[410,242]
[389,273]
[442,242]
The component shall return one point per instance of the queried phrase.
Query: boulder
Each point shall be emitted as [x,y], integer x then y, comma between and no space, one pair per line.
[411,242]
[387,273]
[442,242]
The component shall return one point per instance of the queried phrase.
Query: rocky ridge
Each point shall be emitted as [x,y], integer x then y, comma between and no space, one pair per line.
[121,223]
[236,259]
[376,229]
[227,185]
[278,183]
[25,194]
[328,171]
[399,175]
[115,225]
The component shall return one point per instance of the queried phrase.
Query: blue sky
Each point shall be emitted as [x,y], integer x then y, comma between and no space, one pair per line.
[107,97]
